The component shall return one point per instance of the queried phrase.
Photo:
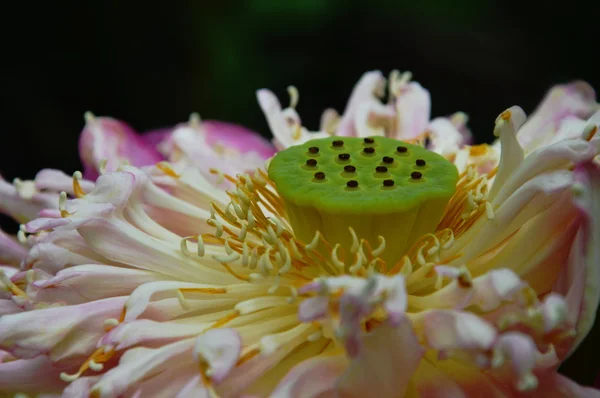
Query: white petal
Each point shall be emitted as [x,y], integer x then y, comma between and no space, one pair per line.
[220,348]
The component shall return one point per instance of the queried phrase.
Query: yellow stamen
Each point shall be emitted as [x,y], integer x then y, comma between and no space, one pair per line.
[15,290]
[493,172]
[240,277]
[478,150]
[97,358]
[77,190]
[204,290]
[167,169]
[297,133]
[226,319]
[590,134]
[62,202]
[203,367]
[250,353]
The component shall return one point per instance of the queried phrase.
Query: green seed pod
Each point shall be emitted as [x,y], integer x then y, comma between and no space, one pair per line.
[376,185]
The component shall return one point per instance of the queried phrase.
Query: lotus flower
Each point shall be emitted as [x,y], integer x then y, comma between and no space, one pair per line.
[310,277]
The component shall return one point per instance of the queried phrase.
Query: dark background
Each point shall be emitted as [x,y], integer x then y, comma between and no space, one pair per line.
[152,65]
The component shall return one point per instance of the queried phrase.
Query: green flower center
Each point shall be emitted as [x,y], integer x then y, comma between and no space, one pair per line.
[376,185]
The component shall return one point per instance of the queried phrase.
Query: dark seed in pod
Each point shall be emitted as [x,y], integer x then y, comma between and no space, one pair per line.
[313,149]
[420,162]
[381,169]
[402,149]
[338,143]
[416,175]
[344,156]
[369,140]
[349,169]
[311,162]
[369,150]
[319,175]
[352,183]
[388,183]
[388,160]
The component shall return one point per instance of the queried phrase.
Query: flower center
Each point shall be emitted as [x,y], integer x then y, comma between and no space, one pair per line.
[379,187]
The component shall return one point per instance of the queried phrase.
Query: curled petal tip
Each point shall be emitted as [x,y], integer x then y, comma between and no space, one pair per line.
[512,118]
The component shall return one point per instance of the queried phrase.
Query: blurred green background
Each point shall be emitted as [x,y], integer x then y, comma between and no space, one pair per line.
[152,64]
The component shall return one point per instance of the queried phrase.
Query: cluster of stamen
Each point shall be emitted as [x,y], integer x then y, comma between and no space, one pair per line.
[469,202]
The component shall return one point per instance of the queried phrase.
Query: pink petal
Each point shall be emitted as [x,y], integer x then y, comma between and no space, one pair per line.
[149,333]
[8,271]
[451,379]
[530,199]
[269,104]
[437,384]
[11,251]
[574,99]
[55,250]
[313,308]
[386,364]
[138,364]
[141,297]
[311,378]
[22,201]
[114,188]
[445,137]
[57,181]
[119,241]
[80,387]
[31,376]
[189,146]
[216,133]
[31,333]
[396,300]
[555,385]
[156,138]
[449,330]
[365,92]
[413,105]
[580,280]
[353,309]
[113,140]
[8,307]
[550,158]
[374,118]
[487,291]
[238,137]
[194,388]
[459,121]
[554,311]
[330,120]
[521,351]
[91,282]
[178,381]
[45,224]
[49,213]
[285,124]
[242,377]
